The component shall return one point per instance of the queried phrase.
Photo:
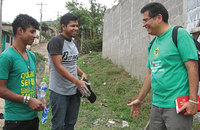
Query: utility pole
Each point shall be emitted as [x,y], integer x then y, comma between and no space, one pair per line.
[41,4]
[58,14]
[1,2]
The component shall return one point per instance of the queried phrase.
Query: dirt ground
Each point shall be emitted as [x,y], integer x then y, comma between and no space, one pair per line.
[40,48]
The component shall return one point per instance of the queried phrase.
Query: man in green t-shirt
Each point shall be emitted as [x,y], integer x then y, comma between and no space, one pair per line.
[17,78]
[172,72]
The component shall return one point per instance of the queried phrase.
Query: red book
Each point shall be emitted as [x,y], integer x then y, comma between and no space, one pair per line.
[181,100]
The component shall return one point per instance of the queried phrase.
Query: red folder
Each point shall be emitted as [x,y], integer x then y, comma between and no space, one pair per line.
[181,100]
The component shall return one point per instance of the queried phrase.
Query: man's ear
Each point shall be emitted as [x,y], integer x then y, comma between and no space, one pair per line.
[159,18]
[20,30]
[63,27]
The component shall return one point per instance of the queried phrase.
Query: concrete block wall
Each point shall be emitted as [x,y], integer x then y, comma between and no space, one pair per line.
[125,41]
[193,14]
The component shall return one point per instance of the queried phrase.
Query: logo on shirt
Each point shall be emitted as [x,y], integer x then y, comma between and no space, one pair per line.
[66,57]
[156,52]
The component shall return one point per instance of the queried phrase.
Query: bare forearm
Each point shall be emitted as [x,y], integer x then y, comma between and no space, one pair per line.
[80,72]
[193,80]
[11,96]
[146,86]
[63,71]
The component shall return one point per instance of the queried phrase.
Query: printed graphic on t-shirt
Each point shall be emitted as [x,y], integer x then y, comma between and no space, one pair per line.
[67,57]
[28,84]
[156,52]
[156,64]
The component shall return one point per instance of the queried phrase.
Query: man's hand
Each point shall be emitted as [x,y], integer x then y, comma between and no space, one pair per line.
[135,108]
[191,108]
[83,88]
[83,76]
[36,104]
[44,103]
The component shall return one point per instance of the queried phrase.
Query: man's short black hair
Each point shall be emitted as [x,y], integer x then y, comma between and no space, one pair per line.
[24,21]
[154,9]
[65,19]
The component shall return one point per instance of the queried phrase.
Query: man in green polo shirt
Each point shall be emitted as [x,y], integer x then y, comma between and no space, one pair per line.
[172,72]
[17,78]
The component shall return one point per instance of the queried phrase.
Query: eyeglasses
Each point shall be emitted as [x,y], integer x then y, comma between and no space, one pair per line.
[146,20]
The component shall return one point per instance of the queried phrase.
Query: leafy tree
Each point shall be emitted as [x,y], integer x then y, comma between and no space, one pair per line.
[46,31]
[44,26]
[90,24]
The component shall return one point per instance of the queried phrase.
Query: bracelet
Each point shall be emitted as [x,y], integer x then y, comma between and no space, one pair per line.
[26,99]
[195,102]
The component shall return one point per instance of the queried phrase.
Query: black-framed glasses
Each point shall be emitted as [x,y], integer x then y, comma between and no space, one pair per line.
[146,20]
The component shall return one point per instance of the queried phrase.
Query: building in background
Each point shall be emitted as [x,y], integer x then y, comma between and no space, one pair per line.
[7,40]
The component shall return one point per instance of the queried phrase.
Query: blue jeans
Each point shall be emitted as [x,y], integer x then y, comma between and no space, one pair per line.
[64,111]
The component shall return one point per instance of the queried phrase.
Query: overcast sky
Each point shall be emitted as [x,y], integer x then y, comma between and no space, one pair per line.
[51,8]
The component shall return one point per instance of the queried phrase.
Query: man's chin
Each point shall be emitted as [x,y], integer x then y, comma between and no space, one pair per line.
[149,32]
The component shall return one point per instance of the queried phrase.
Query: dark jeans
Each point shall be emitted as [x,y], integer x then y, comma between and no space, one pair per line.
[64,111]
[22,125]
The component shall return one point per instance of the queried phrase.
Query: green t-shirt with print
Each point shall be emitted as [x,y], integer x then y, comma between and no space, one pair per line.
[14,68]
[169,77]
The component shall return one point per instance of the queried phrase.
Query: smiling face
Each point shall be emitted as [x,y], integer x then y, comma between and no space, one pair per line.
[70,30]
[149,23]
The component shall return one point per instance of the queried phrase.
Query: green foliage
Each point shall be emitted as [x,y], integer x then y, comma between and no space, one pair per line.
[92,45]
[44,26]
[90,34]
[40,64]
[55,24]
[10,30]
[39,58]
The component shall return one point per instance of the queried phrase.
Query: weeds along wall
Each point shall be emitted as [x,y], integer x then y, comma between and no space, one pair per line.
[125,41]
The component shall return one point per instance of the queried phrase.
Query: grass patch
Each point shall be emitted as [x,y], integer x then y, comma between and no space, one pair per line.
[114,88]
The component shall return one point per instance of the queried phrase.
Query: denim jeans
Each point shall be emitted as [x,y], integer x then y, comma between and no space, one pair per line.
[64,111]
[22,125]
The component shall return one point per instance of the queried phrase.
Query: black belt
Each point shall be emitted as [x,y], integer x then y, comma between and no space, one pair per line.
[18,122]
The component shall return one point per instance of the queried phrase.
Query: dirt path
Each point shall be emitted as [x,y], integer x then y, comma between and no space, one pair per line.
[41,48]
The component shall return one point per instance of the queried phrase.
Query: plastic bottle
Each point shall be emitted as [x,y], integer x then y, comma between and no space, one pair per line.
[45,114]
[42,88]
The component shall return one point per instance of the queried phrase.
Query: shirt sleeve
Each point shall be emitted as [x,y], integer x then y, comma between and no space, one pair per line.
[55,46]
[149,49]
[186,46]
[6,66]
